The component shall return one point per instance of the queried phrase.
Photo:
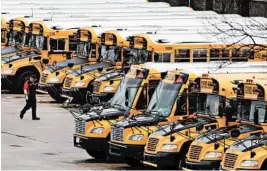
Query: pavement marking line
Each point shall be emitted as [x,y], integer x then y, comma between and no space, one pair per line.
[22,136]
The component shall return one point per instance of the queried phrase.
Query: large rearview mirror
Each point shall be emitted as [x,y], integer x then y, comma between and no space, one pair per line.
[126,97]
[235,133]
[199,127]
[70,65]
[111,82]
[45,61]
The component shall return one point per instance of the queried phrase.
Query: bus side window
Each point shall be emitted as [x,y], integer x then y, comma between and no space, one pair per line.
[214,54]
[72,43]
[200,55]
[93,46]
[181,106]
[225,54]
[182,55]
[61,44]
[164,57]
[192,103]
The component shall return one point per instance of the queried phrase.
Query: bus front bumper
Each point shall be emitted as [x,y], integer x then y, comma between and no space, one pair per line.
[126,150]
[99,144]
[161,159]
[203,165]
[49,88]
[76,93]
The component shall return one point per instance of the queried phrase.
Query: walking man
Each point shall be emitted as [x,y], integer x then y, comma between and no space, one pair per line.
[30,95]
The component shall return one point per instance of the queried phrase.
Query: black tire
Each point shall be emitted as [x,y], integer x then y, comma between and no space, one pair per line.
[57,97]
[21,79]
[264,165]
[97,154]
[133,162]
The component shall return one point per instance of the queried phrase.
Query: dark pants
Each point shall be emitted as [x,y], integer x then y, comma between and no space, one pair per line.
[30,103]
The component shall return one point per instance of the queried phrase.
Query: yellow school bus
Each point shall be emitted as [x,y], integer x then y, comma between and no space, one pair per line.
[252,98]
[49,44]
[166,48]
[111,55]
[207,150]
[16,37]
[86,52]
[134,93]
[128,137]
[167,147]
[4,32]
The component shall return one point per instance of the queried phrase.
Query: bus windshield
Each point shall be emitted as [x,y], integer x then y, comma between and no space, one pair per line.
[84,49]
[137,56]
[119,99]
[163,99]
[15,38]
[109,53]
[246,109]
[208,104]
[37,42]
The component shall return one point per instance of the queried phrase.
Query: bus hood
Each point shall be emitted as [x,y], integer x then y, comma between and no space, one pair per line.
[106,114]
[16,57]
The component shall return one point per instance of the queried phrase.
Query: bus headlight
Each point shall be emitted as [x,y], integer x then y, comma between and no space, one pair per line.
[7,71]
[80,84]
[54,80]
[109,88]
[249,163]
[212,154]
[136,137]
[169,147]
[97,130]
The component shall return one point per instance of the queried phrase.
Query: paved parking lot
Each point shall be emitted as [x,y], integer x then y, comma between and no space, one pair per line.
[44,144]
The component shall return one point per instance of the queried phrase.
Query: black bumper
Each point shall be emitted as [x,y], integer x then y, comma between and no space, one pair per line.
[6,81]
[76,93]
[162,159]
[98,144]
[126,151]
[102,97]
[50,88]
[203,165]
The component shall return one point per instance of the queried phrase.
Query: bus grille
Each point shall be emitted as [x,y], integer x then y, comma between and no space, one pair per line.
[229,161]
[44,77]
[152,144]
[68,82]
[195,152]
[117,133]
[80,126]
[97,86]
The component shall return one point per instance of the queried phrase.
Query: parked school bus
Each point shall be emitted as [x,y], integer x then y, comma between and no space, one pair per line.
[128,136]
[17,35]
[93,130]
[249,154]
[113,54]
[45,42]
[168,146]
[86,52]
[207,150]
[170,50]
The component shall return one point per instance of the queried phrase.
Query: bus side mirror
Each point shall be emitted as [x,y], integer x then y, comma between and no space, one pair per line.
[256,116]
[45,61]
[163,75]
[100,69]
[70,65]
[111,82]
[199,127]
[235,133]
[126,97]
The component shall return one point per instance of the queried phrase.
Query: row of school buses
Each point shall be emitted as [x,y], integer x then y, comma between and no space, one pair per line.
[169,93]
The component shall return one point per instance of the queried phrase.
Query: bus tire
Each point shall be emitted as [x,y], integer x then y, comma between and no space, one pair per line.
[22,78]
[264,165]
[97,154]
[133,162]
[57,97]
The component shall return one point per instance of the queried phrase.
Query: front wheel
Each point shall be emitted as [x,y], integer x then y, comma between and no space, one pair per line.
[133,162]
[97,154]
[22,78]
